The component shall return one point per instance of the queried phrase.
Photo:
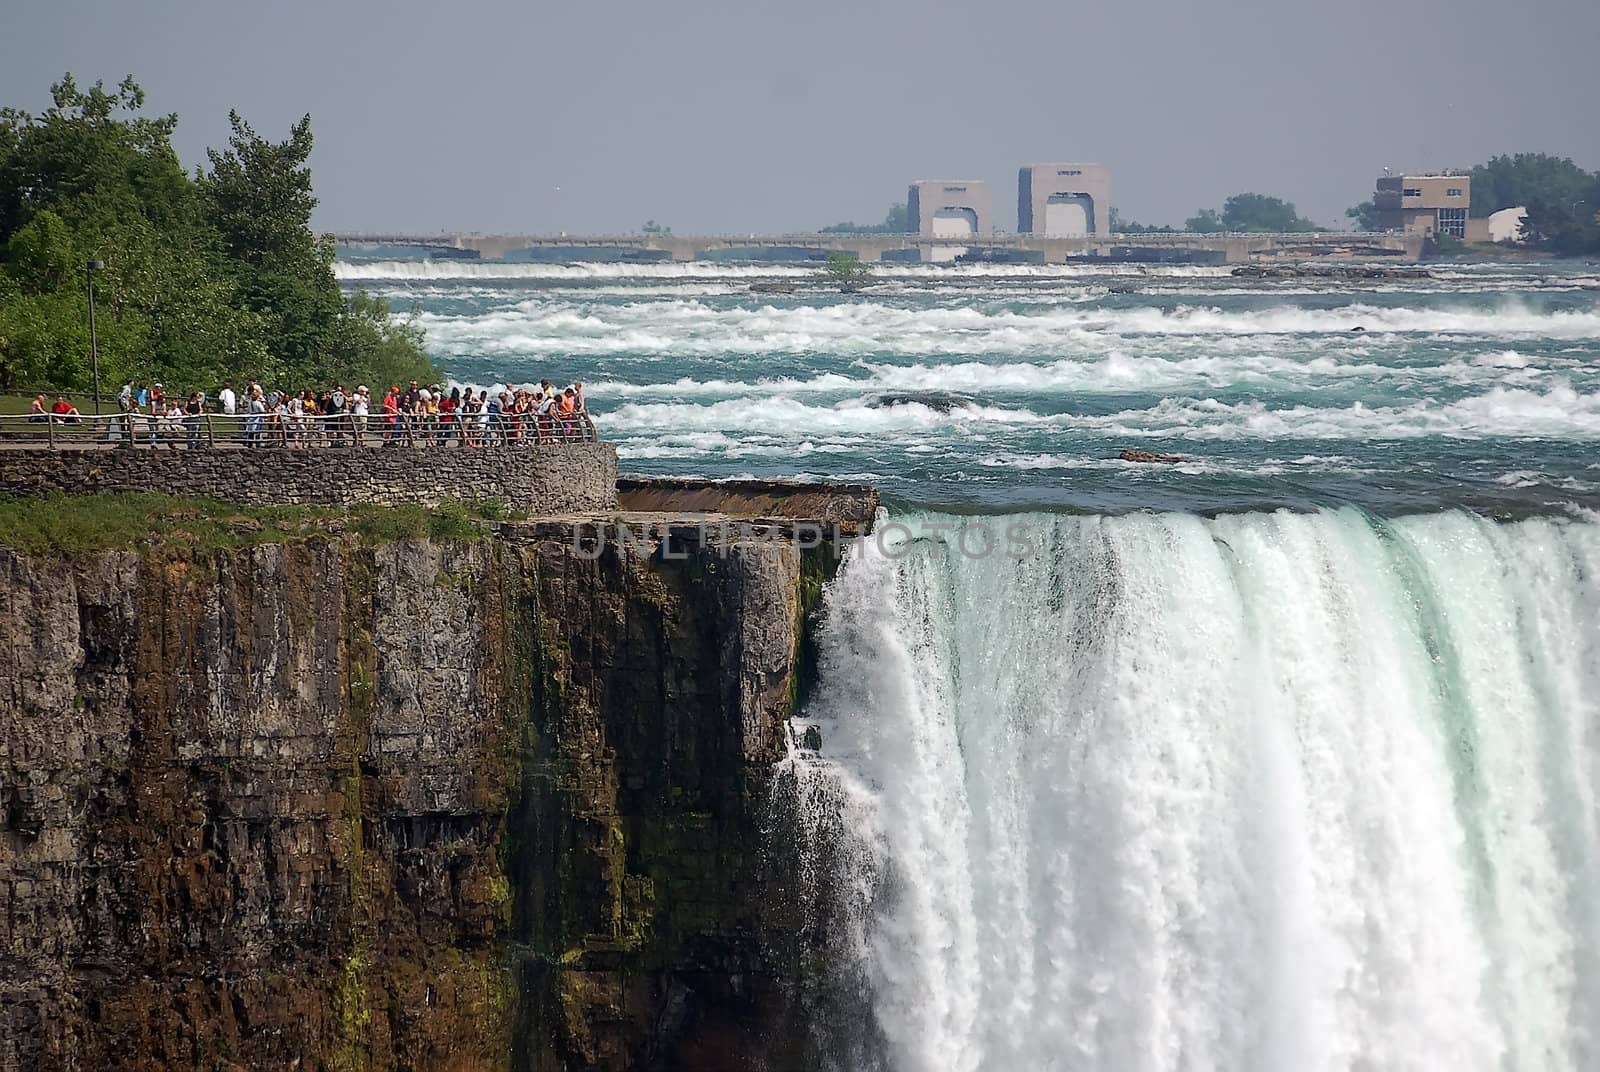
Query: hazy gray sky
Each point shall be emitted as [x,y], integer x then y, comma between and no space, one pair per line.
[714,116]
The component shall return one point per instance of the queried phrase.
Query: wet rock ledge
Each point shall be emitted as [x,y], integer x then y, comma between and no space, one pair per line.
[336,801]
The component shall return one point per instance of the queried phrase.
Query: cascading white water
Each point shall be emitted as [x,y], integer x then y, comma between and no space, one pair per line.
[1276,792]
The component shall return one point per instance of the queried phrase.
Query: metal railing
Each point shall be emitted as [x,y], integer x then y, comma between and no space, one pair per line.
[246,431]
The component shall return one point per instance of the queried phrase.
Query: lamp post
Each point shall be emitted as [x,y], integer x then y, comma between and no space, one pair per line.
[94,342]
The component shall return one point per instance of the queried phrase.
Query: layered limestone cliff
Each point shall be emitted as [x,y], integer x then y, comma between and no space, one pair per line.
[325,803]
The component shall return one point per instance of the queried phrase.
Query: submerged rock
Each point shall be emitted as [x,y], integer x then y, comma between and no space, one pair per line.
[1130,455]
[943,401]
[1329,271]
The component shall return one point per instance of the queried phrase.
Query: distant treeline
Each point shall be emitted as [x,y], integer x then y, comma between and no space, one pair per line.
[896,221]
[205,277]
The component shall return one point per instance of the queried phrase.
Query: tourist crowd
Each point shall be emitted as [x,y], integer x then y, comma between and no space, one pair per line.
[414,416]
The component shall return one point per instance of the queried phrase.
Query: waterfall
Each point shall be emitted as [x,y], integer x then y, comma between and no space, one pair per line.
[1266,791]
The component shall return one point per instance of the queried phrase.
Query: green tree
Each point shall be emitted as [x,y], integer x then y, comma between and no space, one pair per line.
[848,272]
[92,159]
[42,340]
[1121,226]
[896,221]
[376,347]
[1258,212]
[40,254]
[1251,212]
[1365,215]
[258,197]
[1515,181]
[1562,199]
[207,276]
[91,178]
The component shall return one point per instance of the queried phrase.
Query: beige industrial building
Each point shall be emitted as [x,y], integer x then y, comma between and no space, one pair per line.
[1064,200]
[1429,205]
[953,208]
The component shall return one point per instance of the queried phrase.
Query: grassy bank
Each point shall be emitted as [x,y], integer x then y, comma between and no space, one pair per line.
[81,523]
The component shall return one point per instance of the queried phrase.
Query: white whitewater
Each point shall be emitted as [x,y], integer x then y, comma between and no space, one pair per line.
[1260,792]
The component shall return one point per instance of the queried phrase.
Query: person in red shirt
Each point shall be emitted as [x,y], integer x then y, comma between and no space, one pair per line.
[448,407]
[566,412]
[64,412]
[391,415]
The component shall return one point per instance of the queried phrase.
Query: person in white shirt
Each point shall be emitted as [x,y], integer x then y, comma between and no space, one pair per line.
[541,416]
[228,405]
[358,413]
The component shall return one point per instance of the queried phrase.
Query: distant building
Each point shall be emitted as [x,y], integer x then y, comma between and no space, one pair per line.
[953,208]
[1424,204]
[1064,200]
[1506,225]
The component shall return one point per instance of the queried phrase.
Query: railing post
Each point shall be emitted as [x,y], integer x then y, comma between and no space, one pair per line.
[50,434]
[211,434]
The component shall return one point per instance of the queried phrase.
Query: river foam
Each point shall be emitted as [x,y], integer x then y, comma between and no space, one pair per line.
[1269,791]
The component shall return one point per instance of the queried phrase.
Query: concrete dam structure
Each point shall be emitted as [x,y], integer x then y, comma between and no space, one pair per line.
[1214,248]
[1064,200]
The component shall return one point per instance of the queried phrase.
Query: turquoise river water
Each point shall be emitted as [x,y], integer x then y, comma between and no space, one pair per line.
[1283,757]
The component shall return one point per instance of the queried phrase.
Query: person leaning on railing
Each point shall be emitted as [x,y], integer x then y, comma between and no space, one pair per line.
[191,419]
[422,416]
[257,410]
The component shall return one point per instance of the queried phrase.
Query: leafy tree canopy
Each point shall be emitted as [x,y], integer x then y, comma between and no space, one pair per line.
[1122,226]
[896,221]
[850,273]
[208,276]
[1251,212]
[1515,181]
[1562,199]
[1365,215]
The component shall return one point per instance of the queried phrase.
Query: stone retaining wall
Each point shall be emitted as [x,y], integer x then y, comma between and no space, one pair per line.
[542,480]
[852,507]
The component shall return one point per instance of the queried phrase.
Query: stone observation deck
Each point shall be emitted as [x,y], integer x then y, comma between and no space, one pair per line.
[536,478]
[849,507]
[560,480]
[1229,248]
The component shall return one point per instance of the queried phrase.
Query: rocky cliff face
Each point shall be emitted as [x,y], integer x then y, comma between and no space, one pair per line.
[485,804]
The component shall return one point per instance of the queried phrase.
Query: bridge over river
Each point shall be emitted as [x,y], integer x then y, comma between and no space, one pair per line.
[1218,248]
